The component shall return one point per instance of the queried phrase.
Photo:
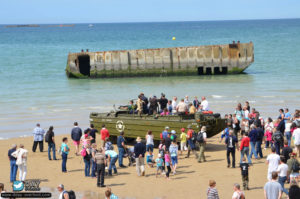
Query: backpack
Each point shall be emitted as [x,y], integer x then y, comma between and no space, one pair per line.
[71,194]
[295,166]
[200,138]
[194,136]
[277,137]
[161,150]
[83,152]
[47,137]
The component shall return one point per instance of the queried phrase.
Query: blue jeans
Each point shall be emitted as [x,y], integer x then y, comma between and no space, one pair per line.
[258,149]
[87,167]
[94,167]
[245,151]
[288,137]
[64,158]
[253,151]
[13,170]
[277,147]
[51,146]
[281,181]
[149,147]
[121,154]
[112,165]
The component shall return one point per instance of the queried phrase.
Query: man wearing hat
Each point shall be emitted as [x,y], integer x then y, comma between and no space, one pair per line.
[293,167]
[62,193]
[139,151]
[13,165]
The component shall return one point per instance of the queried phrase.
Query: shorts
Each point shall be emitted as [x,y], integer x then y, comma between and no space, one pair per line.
[149,147]
[160,168]
[182,146]
[294,175]
[76,142]
[174,160]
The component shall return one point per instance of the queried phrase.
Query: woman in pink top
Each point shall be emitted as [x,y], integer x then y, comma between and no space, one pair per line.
[269,132]
[165,112]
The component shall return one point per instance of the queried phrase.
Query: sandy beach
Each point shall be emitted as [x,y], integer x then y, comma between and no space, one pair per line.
[190,181]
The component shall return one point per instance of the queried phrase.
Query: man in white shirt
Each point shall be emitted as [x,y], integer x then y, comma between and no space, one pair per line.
[273,160]
[296,136]
[204,105]
[282,173]
[174,104]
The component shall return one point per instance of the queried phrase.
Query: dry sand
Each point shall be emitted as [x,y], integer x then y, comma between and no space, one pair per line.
[191,180]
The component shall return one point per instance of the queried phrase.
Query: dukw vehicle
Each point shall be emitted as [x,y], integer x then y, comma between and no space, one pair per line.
[135,125]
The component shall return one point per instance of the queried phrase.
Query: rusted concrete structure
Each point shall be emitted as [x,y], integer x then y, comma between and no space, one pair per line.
[199,60]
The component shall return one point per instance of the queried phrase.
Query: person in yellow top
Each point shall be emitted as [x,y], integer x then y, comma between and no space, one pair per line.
[139,104]
[192,109]
[183,137]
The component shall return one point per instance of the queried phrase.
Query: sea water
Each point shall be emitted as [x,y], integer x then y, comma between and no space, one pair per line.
[34,87]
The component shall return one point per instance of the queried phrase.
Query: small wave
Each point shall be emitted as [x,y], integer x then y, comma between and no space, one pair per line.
[33,108]
[23,136]
[62,110]
[268,96]
[96,108]
[217,96]
[1,138]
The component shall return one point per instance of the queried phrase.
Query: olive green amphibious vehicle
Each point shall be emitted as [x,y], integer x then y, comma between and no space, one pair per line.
[135,125]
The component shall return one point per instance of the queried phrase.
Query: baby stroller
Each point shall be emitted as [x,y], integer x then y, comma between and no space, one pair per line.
[131,156]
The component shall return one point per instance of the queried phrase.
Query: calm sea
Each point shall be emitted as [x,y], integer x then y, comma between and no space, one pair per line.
[34,88]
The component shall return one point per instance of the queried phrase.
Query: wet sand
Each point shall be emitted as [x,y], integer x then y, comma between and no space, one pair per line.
[190,181]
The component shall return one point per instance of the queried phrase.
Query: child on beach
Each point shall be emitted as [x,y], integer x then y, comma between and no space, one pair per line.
[183,137]
[244,169]
[168,164]
[159,164]
[212,192]
[64,154]
[174,151]
[149,159]
[108,144]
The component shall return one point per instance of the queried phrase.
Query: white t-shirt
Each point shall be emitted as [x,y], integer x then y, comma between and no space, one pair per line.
[61,195]
[282,168]
[204,105]
[237,195]
[174,105]
[296,136]
[288,127]
[204,135]
[273,160]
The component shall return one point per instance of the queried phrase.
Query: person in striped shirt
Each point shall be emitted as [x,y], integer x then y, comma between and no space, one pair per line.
[212,192]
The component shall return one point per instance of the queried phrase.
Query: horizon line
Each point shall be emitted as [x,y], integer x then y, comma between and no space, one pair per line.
[171,21]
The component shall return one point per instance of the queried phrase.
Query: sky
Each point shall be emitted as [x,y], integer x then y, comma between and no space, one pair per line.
[111,11]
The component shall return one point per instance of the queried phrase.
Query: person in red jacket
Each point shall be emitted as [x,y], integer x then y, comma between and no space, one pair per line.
[104,134]
[244,148]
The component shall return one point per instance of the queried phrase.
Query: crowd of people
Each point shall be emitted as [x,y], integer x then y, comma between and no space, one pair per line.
[246,132]
[163,106]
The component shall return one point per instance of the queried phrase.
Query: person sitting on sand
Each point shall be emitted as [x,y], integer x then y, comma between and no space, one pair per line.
[76,134]
[109,194]
[212,192]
